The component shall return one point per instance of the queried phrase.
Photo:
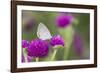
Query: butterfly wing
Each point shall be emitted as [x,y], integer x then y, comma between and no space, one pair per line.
[43,32]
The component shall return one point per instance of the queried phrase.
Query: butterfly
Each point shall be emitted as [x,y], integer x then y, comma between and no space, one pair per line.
[43,32]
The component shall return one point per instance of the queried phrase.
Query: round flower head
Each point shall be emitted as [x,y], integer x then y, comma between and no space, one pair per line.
[63,20]
[56,40]
[38,48]
[25,43]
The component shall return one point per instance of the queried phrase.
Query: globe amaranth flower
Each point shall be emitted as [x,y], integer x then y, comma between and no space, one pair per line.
[38,48]
[25,43]
[56,40]
[63,20]
[77,44]
[28,58]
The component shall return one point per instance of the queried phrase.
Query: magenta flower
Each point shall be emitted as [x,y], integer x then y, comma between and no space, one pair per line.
[63,20]
[78,45]
[25,43]
[38,48]
[56,40]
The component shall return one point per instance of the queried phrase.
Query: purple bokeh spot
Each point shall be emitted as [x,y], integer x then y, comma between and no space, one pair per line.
[77,43]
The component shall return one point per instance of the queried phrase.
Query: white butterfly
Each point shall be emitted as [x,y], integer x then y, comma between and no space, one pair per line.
[43,32]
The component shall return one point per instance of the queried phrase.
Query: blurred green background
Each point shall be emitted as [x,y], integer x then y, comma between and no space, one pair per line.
[80,25]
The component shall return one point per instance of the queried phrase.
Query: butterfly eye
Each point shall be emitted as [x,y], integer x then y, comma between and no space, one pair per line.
[43,32]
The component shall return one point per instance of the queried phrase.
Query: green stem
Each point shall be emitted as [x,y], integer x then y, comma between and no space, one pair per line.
[67,35]
[37,59]
[66,53]
[54,54]
[24,54]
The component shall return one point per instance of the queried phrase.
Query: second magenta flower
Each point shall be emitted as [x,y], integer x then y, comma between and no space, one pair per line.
[63,20]
[57,40]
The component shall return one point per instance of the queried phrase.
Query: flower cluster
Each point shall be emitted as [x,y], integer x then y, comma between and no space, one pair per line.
[39,48]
